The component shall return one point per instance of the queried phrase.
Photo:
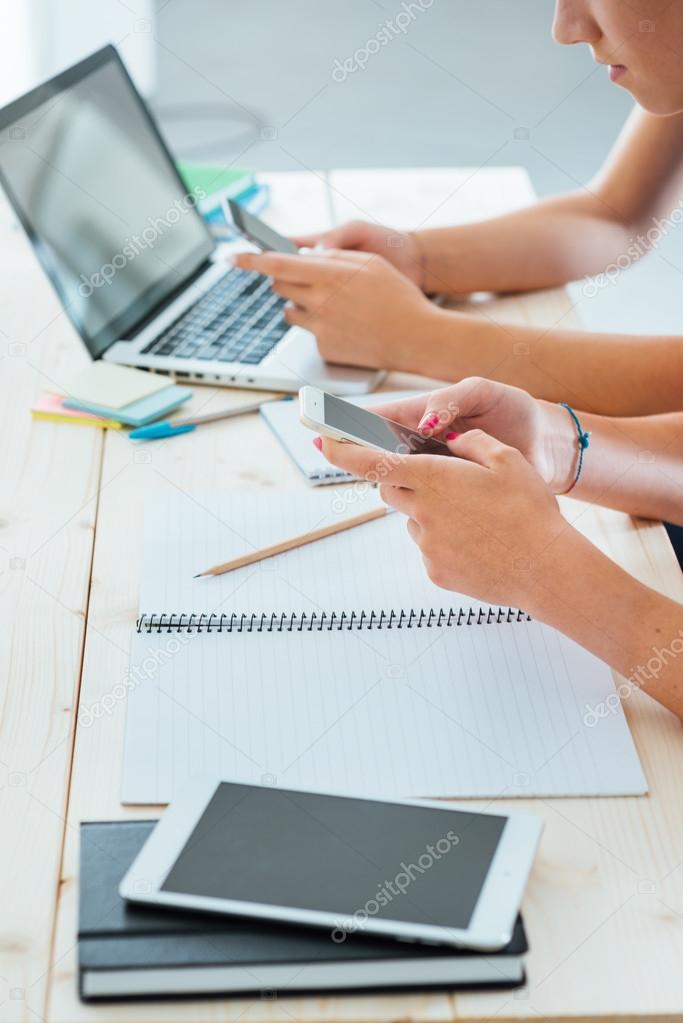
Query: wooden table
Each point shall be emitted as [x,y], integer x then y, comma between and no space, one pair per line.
[604,908]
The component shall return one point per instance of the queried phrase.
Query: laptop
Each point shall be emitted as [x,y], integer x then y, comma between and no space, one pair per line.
[135,266]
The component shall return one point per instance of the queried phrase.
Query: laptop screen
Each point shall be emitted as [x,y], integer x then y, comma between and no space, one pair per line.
[97,192]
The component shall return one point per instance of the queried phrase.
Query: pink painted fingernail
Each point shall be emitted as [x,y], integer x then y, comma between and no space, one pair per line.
[429,422]
[318,441]
[452,436]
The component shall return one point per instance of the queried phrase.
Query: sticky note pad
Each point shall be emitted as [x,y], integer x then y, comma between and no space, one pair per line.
[112,386]
[138,413]
[51,407]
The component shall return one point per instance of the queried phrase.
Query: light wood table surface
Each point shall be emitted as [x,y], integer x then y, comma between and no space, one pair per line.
[604,908]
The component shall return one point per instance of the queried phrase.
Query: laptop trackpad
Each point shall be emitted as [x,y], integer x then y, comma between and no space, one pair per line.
[298,354]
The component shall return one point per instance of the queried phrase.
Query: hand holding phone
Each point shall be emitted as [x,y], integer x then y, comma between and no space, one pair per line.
[343,421]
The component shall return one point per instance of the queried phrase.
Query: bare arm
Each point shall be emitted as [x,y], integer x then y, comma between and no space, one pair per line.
[365,313]
[615,375]
[579,591]
[634,465]
[567,237]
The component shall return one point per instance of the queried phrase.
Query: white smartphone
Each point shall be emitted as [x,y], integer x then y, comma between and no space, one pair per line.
[342,420]
[417,870]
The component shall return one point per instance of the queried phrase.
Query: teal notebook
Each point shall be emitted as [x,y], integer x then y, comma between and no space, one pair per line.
[141,412]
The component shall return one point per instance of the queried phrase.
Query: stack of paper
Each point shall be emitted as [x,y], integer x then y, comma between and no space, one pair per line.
[123,395]
[52,409]
[214,184]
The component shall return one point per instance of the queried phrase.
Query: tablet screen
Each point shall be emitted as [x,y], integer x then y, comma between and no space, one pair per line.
[338,855]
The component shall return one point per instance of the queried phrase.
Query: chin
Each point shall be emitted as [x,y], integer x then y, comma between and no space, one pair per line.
[660,103]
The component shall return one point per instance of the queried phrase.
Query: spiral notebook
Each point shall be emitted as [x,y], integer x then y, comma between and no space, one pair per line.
[283,419]
[340,666]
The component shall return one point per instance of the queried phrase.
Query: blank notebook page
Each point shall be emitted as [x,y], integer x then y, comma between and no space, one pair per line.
[372,566]
[462,711]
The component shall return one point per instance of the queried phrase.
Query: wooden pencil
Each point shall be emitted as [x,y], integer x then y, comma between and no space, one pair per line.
[293,542]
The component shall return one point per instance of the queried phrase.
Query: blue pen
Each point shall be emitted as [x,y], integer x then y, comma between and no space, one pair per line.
[174,427]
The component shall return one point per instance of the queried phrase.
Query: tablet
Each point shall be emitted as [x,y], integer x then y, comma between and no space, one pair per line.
[420,870]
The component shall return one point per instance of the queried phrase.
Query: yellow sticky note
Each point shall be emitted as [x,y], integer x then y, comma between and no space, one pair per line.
[104,383]
[50,407]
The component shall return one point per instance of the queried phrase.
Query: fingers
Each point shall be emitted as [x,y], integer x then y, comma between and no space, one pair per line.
[415,530]
[439,412]
[468,398]
[347,236]
[297,317]
[407,411]
[477,446]
[308,241]
[451,440]
[433,411]
[290,269]
[330,267]
[375,466]
[338,237]
[400,498]
[301,294]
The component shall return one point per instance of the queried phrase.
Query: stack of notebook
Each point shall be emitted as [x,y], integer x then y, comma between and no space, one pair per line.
[106,395]
[52,409]
[127,951]
[215,184]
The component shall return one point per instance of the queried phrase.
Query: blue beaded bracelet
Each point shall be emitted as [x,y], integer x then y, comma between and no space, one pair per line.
[584,441]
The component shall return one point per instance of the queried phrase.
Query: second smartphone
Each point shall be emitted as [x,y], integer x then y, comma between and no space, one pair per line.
[254,230]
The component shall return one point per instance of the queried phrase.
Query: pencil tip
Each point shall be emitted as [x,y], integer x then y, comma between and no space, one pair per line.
[198,575]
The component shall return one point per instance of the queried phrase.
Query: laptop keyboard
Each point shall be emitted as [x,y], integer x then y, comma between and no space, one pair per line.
[239,320]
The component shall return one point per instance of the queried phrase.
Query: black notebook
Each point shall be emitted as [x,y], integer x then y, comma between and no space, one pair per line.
[127,951]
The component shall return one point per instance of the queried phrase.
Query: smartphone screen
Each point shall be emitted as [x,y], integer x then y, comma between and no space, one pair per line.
[374,429]
[257,232]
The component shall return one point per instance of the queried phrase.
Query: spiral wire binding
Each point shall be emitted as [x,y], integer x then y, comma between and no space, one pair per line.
[324,621]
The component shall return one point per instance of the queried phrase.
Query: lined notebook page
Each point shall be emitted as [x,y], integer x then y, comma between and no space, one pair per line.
[466,711]
[370,567]
[469,711]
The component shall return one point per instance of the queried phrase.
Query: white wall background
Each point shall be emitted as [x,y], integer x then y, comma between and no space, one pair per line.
[41,37]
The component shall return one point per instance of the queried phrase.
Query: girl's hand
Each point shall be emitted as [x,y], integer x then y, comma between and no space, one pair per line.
[399,248]
[544,433]
[362,311]
[485,521]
